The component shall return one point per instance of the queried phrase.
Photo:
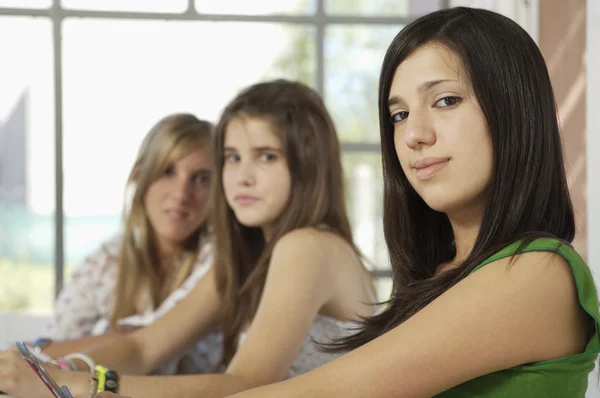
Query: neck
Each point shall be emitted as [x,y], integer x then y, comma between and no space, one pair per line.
[465,226]
[267,232]
[167,252]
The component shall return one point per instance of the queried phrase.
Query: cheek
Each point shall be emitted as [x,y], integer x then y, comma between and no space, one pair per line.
[280,184]
[226,180]
[201,195]
[287,183]
[402,154]
[150,198]
[400,146]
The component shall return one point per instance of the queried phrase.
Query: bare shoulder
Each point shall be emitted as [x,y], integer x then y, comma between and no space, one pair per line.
[311,243]
[539,275]
[536,266]
[539,285]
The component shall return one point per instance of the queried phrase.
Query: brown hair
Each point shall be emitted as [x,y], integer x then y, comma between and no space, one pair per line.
[139,272]
[308,136]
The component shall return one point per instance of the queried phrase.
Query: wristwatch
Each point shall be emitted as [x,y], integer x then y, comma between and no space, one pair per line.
[41,343]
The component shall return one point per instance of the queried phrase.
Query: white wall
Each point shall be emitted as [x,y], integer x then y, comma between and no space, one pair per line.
[525,13]
[593,149]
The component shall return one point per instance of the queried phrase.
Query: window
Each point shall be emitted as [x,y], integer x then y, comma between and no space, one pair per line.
[26,3]
[124,64]
[256,7]
[176,6]
[173,66]
[353,57]
[401,8]
[27,185]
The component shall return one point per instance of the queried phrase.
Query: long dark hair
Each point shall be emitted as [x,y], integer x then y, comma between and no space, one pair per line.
[528,193]
[308,136]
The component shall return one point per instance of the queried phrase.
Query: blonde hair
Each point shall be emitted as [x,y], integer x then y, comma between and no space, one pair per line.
[141,280]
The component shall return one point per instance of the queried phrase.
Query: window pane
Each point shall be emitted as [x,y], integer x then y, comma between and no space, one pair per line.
[121,76]
[364,193]
[383,286]
[127,5]
[256,7]
[26,166]
[385,8]
[353,57]
[26,3]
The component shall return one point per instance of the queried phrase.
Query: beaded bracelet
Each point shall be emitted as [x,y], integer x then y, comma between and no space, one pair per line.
[93,386]
[61,363]
[72,364]
[84,358]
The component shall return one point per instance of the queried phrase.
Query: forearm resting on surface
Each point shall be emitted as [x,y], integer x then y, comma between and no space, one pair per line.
[62,348]
[184,386]
[120,352]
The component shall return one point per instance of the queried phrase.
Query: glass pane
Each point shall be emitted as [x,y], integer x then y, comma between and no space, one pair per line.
[26,180]
[26,3]
[256,7]
[121,76]
[127,5]
[353,57]
[384,8]
[364,193]
[383,286]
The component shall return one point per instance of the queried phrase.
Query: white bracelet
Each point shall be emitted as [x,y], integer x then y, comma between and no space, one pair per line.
[82,357]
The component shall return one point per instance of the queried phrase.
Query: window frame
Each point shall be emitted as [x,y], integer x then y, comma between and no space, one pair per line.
[56,13]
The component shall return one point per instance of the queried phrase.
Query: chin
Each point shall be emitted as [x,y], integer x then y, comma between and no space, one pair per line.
[441,205]
[178,237]
[250,222]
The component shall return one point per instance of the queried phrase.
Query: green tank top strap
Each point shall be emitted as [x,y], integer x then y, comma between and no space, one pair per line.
[542,244]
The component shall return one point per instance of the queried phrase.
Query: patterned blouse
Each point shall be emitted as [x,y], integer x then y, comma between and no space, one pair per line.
[84,305]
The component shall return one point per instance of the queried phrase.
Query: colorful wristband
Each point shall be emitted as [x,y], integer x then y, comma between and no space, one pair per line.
[108,380]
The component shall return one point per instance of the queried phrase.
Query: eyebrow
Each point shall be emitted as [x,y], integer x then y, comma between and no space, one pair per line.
[256,148]
[423,87]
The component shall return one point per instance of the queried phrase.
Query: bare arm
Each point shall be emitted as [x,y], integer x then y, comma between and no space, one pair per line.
[298,285]
[61,348]
[494,319]
[141,351]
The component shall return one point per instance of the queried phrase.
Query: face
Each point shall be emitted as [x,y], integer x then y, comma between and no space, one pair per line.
[256,177]
[176,201]
[440,134]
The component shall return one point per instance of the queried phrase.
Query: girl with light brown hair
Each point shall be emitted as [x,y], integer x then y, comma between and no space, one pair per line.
[287,277]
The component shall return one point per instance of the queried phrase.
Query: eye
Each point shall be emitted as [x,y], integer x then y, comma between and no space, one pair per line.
[447,102]
[268,157]
[399,116]
[202,178]
[232,157]
[169,171]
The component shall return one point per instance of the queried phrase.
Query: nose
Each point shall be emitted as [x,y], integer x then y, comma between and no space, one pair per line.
[183,189]
[419,130]
[246,173]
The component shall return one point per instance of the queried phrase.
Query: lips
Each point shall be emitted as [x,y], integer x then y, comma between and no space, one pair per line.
[245,200]
[177,214]
[428,167]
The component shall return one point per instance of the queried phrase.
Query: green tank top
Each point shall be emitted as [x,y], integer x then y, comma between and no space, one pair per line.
[557,378]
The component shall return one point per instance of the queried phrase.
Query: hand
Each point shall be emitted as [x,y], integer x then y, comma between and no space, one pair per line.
[105,394]
[17,379]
